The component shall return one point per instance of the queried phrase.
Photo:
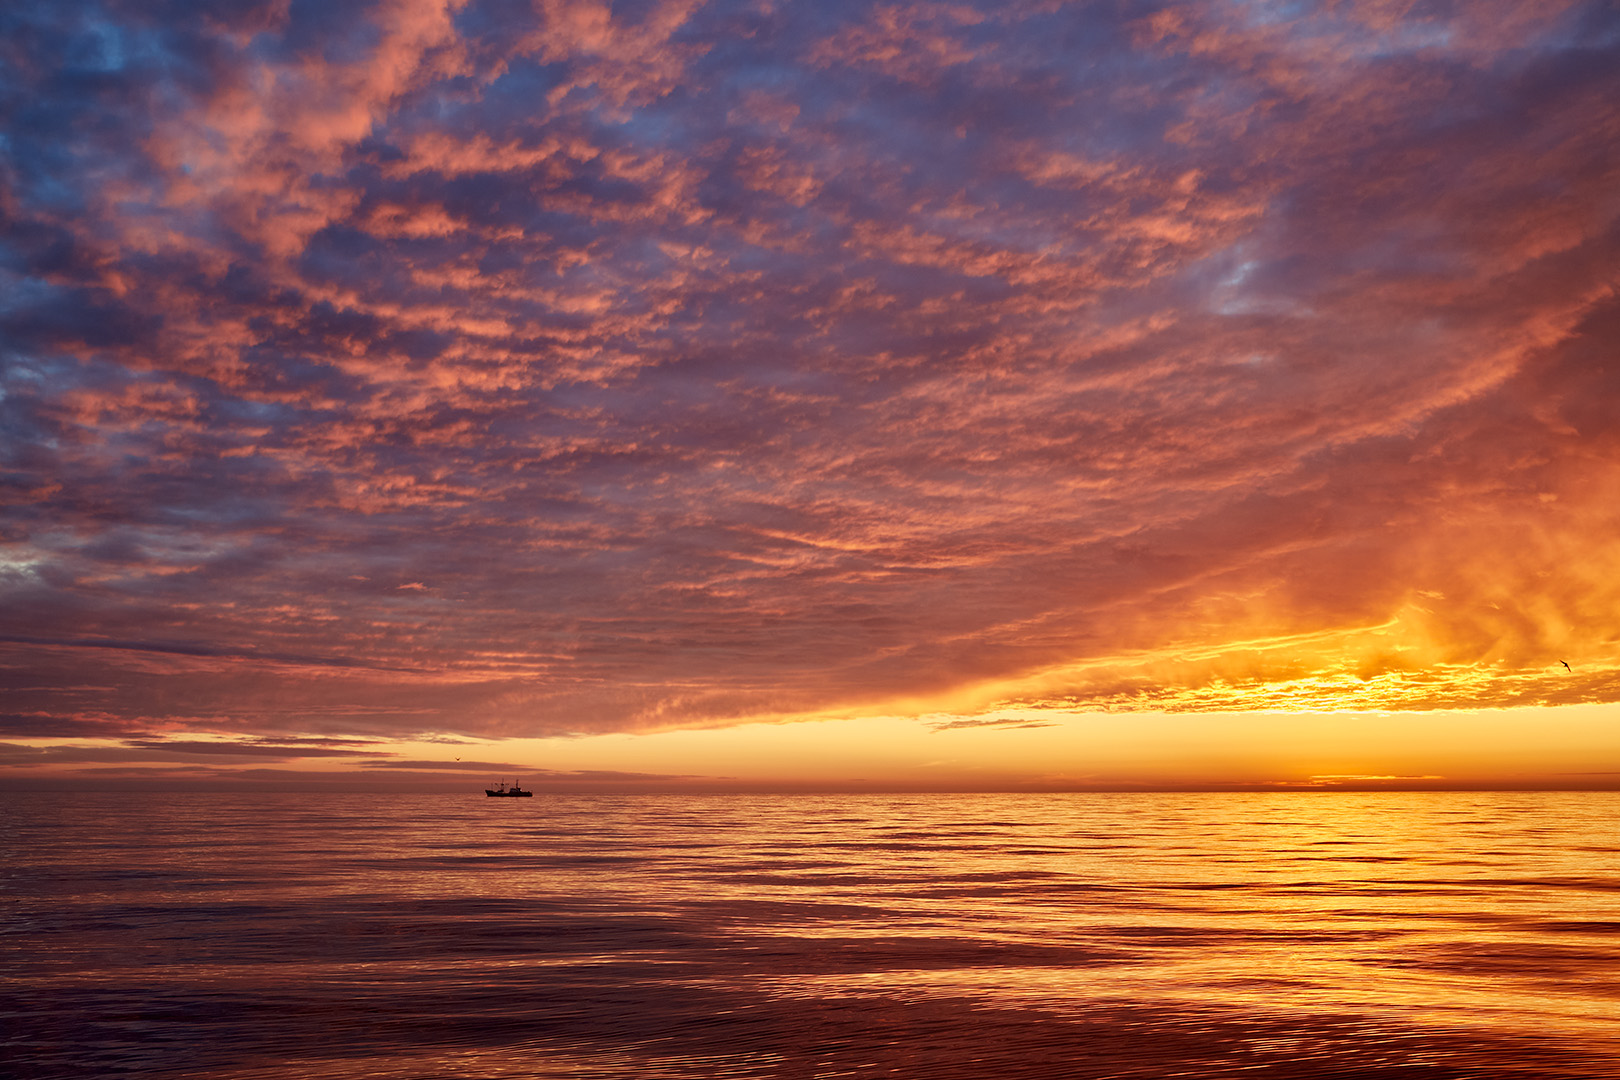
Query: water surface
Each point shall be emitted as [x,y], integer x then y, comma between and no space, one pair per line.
[951,936]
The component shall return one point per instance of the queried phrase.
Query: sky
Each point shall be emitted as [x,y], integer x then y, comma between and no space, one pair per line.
[922,395]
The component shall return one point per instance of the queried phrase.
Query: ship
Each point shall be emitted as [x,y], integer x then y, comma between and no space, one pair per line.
[504,792]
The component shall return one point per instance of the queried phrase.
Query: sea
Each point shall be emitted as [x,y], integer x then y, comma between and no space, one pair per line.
[1098,935]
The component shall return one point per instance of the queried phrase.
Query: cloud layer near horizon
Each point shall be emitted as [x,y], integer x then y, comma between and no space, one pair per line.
[507,369]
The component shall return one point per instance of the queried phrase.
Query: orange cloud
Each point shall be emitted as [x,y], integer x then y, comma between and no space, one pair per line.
[425,368]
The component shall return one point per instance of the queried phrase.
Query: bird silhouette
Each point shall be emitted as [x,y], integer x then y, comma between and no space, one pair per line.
[1567,667]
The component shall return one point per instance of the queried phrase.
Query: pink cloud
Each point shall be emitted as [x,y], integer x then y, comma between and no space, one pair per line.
[429,371]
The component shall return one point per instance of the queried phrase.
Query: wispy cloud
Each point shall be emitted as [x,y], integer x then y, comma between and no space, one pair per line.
[958,725]
[448,367]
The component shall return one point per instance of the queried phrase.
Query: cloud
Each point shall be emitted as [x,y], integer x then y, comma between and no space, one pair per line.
[1359,778]
[183,750]
[450,766]
[50,725]
[437,369]
[1004,722]
[255,748]
[533,776]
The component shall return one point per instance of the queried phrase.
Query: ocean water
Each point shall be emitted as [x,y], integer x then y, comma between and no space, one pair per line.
[1291,935]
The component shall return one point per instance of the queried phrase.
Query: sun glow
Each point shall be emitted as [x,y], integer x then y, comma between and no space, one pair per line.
[1049,749]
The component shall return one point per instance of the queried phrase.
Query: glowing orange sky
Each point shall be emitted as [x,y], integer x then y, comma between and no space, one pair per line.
[732,384]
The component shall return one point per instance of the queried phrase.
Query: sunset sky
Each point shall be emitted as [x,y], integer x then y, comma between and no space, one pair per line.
[1012,394]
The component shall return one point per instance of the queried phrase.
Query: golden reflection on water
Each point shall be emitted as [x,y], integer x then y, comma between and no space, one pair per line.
[798,936]
[1434,909]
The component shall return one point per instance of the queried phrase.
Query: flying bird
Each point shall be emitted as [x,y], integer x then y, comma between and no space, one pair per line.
[1567,667]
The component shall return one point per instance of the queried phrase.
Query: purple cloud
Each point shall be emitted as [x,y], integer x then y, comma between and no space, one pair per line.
[447,367]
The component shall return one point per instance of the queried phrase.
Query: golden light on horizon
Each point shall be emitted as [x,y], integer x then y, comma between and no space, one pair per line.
[1016,749]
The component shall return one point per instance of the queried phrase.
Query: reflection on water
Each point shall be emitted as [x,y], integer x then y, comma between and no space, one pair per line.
[1290,935]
